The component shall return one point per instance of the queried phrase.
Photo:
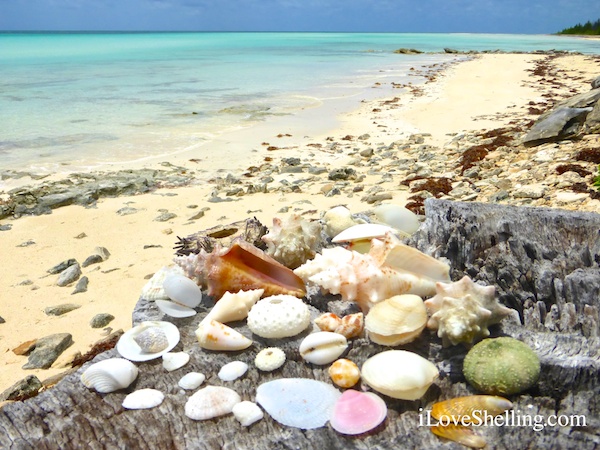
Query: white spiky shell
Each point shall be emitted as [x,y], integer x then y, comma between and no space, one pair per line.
[234,306]
[130,349]
[109,375]
[462,311]
[213,335]
[211,401]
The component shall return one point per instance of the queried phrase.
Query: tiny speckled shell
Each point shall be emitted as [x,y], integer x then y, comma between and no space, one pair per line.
[344,373]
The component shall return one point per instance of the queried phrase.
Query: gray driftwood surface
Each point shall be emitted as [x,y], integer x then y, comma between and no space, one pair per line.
[544,263]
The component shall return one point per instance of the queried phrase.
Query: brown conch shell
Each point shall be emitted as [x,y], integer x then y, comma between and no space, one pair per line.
[244,267]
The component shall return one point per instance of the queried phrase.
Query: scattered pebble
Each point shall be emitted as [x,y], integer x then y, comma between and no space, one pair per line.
[81,286]
[101,320]
[69,275]
[59,310]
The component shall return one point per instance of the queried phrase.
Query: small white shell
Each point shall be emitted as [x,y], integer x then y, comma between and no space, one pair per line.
[269,359]
[143,399]
[233,370]
[279,316]
[110,375]
[128,348]
[191,381]
[398,217]
[173,309]
[247,413]
[363,232]
[182,290]
[213,335]
[233,307]
[153,289]
[174,361]
[211,401]
[322,347]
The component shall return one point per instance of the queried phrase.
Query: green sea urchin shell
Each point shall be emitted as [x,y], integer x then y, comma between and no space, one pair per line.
[502,365]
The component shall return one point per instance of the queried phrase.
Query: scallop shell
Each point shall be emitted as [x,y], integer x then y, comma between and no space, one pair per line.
[153,289]
[247,413]
[233,370]
[211,401]
[397,320]
[174,361]
[269,359]
[344,373]
[143,399]
[110,375]
[322,347]
[298,402]
[399,374]
[130,349]
[232,307]
[358,412]
[191,381]
[213,335]
[279,316]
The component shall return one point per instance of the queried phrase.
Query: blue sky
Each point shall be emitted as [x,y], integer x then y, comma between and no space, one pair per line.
[478,16]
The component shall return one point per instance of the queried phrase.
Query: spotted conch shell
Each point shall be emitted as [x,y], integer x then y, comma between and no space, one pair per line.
[462,311]
[294,241]
[390,268]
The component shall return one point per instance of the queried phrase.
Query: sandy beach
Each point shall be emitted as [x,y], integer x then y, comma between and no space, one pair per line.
[384,142]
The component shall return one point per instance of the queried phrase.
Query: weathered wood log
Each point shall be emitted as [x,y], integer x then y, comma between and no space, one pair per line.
[544,263]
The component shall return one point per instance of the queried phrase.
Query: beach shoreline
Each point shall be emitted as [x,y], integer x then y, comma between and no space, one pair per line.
[387,143]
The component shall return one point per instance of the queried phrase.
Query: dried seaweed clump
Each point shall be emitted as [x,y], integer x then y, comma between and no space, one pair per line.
[572,168]
[476,153]
[435,186]
[589,155]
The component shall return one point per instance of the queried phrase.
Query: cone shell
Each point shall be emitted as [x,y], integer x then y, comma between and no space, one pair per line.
[344,373]
[397,320]
[213,335]
[399,374]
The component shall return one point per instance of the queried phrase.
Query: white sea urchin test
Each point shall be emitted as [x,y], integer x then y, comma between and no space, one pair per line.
[269,359]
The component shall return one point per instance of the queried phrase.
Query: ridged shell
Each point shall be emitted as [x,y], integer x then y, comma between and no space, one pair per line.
[130,349]
[344,373]
[322,347]
[358,412]
[396,320]
[399,374]
[213,335]
[143,399]
[232,307]
[279,316]
[110,375]
[298,402]
[211,401]
[361,235]
[154,289]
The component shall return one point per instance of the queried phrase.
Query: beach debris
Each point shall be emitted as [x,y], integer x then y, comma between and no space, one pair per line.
[399,374]
[154,288]
[357,412]
[210,402]
[278,316]
[174,360]
[396,320]
[344,373]
[213,335]
[337,220]
[143,399]
[269,359]
[322,347]
[501,365]
[247,413]
[148,340]
[109,375]
[191,381]
[462,311]
[403,220]
[233,370]
[234,306]
[298,402]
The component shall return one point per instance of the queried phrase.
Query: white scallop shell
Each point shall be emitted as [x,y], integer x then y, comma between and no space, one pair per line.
[233,370]
[143,399]
[269,359]
[322,347]
[211,401]
[233,307]
[191,381]
[363,232]
[213,335]
[397,216]
[298,402]
[182,290]
[396,320]
[128,348]
[110,375]
[399,374]
[279,316]
[173,309]
[175,360]
[247,413]
[153,289]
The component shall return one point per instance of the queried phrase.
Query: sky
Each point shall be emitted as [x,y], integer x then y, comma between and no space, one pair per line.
[471,16]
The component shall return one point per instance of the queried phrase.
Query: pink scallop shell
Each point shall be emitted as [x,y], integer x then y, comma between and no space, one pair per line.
[357,412]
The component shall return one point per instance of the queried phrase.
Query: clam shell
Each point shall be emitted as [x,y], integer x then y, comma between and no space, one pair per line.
[397,320]
[399,374]
[362,232]
[232,307]
[247,413]
[211,401]
[358,412]
[153,289]
[174,361]
[213,335]
[110,375]
[143,399]
[173,309]
[322,347]
[298,402]
[130,349]
[191,381]
[397,216]
[233,370]
[182,290]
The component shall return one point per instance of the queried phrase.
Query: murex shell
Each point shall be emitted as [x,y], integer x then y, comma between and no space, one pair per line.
[279,316]
[213,335]
[399,374]
[110,375]
[211,401]
[322,347]
[148,340]
[234,306]
[390,268]
[397,320]
[294,241]
[463,311]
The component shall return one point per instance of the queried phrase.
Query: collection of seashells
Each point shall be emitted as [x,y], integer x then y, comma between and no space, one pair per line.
[361,262]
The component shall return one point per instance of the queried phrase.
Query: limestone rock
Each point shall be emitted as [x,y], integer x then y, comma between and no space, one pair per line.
[26,388]
[81,285]
[69,275]
[101,320]
[47,350]
[59,310]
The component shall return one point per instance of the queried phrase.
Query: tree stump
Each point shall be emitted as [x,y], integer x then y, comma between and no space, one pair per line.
[545,263]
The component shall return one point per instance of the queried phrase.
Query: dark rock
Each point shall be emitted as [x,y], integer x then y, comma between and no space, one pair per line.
[60,267]
[69,275]
[26,388]
[344,173]
[101,320]
[596,83]
[451,51]
[408,51]
[59,310]
[81,236]
[592,121]
[198,215]
[291,161]
[81,286]
[6,227]
[561,124]
[376,198]
[316,170]
[126,211]
[47,350]
[28,243]
[291,169]
[92,259]
[2,320]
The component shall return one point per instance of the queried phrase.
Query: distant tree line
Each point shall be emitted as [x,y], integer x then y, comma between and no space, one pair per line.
[586,28]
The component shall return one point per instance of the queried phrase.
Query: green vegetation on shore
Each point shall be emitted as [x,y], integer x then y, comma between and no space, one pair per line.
[588,28]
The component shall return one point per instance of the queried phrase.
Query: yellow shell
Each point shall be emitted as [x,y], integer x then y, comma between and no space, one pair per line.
[467,406]
[460,434]
[398,320]
[344,373]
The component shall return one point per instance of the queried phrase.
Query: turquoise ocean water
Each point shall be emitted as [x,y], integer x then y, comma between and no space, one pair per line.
[85,98]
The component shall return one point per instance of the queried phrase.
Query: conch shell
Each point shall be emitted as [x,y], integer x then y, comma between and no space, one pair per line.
[390,268]
[245,267]
[462,311]
[294,241]
[232,307]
